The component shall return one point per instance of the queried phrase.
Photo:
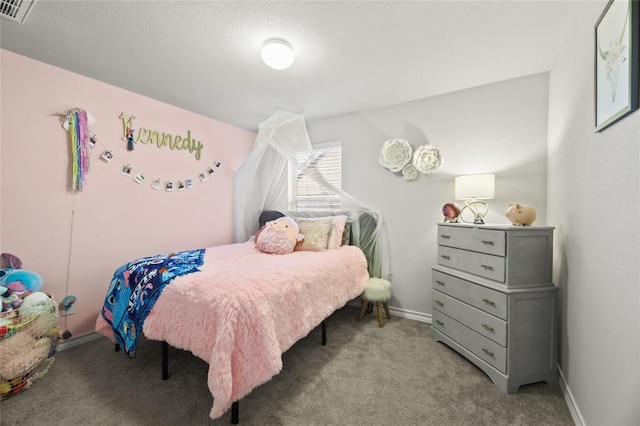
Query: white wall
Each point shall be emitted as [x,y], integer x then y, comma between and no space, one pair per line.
[499,128]
[594,202]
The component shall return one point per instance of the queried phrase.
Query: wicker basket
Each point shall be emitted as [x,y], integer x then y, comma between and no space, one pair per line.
[28,343]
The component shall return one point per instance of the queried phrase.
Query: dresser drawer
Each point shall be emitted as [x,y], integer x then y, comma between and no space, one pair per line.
[484,265]
[477,320]
[488,300]
[483,348]
[480,240]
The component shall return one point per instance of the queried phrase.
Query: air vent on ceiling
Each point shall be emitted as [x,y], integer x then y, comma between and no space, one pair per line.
[16,10]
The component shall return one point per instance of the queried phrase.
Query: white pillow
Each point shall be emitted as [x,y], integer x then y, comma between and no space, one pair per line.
[334,236]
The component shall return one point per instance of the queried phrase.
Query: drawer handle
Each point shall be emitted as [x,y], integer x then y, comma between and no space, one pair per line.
[439,303]
[488,352]
[488,328]
[440,323]
[487,267]
[487,242]
[489,302]
[439,282]
[445,237]
[445,257]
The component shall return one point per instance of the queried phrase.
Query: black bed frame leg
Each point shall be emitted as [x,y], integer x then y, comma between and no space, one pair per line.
[165,360]
[324,333]
[117,347]
[235,408]
[234,412]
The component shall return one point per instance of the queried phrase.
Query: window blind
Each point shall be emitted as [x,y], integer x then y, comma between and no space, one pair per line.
[315,178]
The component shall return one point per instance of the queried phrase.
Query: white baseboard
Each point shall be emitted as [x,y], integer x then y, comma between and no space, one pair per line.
[76,341]
[412,315]
[571,402]
[402,313]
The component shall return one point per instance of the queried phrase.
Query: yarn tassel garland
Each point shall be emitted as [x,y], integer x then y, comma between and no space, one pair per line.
[79,147]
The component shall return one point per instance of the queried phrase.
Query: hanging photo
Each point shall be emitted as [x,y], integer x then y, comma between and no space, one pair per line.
[139,178]
[168,186]
[181,186]
[93,140]
[210,171]
[203,177]
[156,184]
[188,183]
[217,164]
[107,156]
[126,170]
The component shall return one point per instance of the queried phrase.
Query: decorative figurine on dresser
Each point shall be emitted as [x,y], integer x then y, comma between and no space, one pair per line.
[494,301]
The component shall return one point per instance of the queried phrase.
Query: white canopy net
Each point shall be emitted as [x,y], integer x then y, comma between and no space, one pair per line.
[261,183]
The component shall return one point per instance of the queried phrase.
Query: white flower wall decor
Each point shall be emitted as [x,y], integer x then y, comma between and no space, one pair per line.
[409,172]
[397,155]
[427,159]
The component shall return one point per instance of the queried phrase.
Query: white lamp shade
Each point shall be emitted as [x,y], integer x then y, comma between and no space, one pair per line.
[277,54]
[478,187]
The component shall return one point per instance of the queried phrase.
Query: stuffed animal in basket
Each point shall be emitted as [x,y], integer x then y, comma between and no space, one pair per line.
[25,349]
[278,236]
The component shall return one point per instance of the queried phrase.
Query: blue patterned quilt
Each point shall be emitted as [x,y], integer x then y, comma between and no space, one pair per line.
[136,286]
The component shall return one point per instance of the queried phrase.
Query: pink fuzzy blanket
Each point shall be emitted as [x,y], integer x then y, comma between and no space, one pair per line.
[245,308]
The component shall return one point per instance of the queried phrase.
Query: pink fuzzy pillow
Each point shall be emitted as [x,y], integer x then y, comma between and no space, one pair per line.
[335,239]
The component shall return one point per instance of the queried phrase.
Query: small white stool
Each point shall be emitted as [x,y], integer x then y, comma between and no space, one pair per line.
[378,291]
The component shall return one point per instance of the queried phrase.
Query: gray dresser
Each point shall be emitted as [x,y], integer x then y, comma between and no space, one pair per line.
[494,301]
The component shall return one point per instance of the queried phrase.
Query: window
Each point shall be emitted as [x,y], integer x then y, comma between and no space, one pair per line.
[315,179]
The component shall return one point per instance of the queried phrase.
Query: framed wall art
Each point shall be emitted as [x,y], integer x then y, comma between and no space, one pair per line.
[617,47]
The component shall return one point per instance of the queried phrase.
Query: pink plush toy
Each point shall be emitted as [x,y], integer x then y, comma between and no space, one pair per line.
[279,236]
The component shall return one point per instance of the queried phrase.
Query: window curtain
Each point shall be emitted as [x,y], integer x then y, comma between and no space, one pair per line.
[261,183]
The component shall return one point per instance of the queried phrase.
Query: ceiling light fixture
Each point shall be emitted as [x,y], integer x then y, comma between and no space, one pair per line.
[277,54]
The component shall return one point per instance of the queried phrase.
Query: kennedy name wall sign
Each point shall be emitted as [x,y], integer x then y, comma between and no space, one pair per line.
[160,139]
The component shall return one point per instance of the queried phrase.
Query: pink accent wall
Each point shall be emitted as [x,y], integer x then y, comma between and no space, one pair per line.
[76,240]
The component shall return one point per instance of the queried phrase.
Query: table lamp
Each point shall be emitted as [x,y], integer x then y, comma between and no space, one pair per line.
[473,189]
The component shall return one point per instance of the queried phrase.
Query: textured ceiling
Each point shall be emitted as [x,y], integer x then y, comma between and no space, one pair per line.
[350,56]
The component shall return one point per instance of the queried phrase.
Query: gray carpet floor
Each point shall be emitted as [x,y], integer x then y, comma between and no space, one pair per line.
[365,375]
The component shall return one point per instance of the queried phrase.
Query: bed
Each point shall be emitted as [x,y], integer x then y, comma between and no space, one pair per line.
[242,309]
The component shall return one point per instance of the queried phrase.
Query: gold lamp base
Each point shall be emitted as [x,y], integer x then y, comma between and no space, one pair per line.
[478,208]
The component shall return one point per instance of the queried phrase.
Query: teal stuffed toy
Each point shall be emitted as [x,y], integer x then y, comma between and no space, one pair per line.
[32,281]
[15,285]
